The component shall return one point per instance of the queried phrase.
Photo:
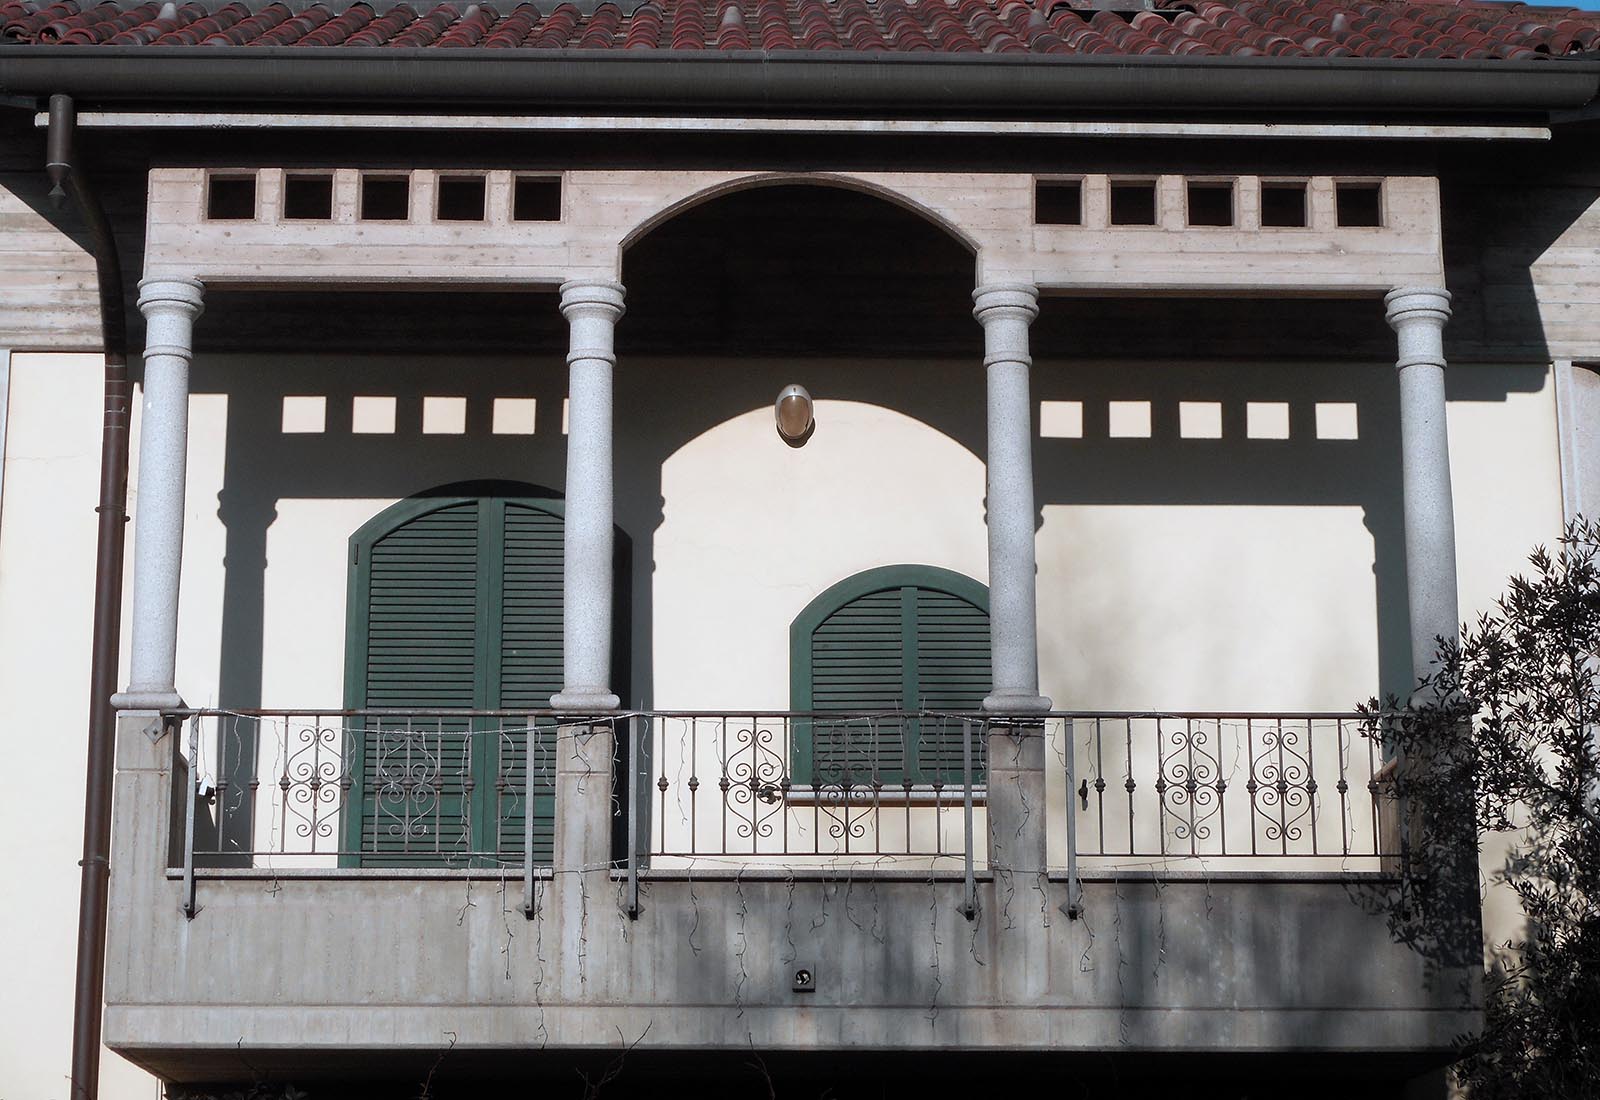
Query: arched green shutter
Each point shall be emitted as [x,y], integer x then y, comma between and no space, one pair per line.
[902,638]
[530,664]
[455,603]
[420,584]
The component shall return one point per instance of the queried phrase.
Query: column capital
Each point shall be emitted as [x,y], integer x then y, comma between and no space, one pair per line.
[185,297]
[592,298]
[1000,301]
[1417,304]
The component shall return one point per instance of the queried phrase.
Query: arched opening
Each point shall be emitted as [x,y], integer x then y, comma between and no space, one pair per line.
[868,304]
[798,270]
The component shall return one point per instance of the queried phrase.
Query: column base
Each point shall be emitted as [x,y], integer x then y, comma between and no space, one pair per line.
[1016,704]
[583,701]
[155,700]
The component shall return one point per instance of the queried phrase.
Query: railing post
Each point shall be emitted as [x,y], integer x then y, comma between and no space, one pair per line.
[635,731]
[190,908]
[585,750]
[1074,907]
[1016,795]
[969,905]
[530,903]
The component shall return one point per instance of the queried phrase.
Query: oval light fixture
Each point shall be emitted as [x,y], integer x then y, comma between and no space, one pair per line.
[795,415]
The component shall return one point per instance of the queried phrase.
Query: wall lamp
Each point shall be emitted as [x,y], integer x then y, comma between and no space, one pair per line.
[795,415]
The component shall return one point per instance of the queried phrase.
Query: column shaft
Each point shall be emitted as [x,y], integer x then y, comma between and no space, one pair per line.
[592,309]
[1005,313]
[1418,316]
[170,307]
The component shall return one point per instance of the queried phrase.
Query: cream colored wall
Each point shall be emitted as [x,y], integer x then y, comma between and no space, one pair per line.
[1173,606]
[1505,463]
[47,552]
[755,530]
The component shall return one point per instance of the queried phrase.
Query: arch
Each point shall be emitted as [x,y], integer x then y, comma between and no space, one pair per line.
[427,500]
[892,639]
[693,433]
[840,181]
[885,577]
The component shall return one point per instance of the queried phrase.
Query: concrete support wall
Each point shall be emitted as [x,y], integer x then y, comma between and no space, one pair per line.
[304,967]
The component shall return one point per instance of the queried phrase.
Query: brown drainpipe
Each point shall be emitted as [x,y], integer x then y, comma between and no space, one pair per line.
[68,179]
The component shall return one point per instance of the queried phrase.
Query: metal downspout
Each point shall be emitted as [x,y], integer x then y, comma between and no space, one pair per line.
[68,179]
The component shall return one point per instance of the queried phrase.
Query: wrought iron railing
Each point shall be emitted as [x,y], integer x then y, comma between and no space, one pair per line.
[1218,787]
[795,787]
[458,789]
[370,788]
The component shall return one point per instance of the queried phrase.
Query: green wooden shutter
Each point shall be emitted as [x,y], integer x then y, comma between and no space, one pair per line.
[530,665]
[455,603]
[421,650]
[898,638]
[858,665]
[953,674]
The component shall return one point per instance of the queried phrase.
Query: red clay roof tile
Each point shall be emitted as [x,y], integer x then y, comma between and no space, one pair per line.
[1236,28]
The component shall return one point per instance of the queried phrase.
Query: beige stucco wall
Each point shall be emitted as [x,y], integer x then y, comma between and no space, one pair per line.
[47,548]
[1214,604]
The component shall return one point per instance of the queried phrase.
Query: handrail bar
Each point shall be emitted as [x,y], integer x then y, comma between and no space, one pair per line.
[619,715]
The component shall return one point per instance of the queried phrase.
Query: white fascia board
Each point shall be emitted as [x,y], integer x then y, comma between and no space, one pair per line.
[244,120]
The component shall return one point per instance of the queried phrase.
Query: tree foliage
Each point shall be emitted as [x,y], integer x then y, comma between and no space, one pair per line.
[1502,739]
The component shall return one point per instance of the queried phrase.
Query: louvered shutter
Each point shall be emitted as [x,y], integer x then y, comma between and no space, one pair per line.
[422,637]
[909,645]
[953,674]
[530,667]
[858,664]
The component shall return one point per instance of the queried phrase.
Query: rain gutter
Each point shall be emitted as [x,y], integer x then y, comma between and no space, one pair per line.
[762,82]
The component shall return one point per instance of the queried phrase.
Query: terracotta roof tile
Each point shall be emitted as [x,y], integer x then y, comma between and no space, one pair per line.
[1235,28]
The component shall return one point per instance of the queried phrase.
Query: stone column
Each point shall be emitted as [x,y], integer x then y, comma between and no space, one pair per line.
[584,803]
[1005,312]
[592,309]
[1418,316]
[170,307]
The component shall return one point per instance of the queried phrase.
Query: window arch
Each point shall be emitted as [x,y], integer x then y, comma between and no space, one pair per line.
[455,601]
[901,638]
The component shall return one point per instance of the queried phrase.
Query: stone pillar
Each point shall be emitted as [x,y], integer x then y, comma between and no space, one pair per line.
[1418,316]
[592,309]
[1005,312]
[170,307]
[584,805]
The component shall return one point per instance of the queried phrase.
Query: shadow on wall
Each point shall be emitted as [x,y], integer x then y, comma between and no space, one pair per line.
[859,300]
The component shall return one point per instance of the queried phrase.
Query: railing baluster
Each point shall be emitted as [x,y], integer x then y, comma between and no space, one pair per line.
[1100,782]
[1161,788]
[190,908]
[1074,908]
[1191,785]
[1342,787]
[1283,795]
[1311,781]
[659,731]
[1253,785]
[785,781]
[694,786]
[1129,784]
[635,726]
[722,783]
[1222,793]
[1372,790]
[970,902]
[530,738]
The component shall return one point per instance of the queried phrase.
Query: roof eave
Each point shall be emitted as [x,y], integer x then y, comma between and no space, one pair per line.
[761,81]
